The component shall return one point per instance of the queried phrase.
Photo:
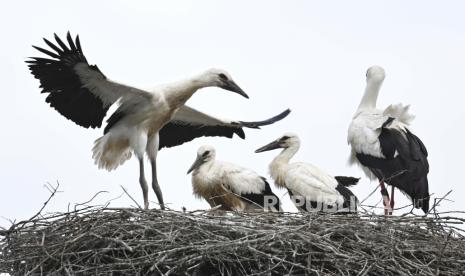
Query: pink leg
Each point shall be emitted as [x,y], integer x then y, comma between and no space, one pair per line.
[392,199]
[386,203]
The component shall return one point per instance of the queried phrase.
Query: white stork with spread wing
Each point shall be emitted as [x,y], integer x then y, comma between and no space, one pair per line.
[83,94]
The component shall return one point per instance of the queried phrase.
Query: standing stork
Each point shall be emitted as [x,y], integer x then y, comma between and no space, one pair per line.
[310,188]
[144,121]
[233,187]
[385,147]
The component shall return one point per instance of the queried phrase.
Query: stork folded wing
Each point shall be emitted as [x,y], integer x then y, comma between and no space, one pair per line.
[251,188]
[404,165]
[78,91]
[266,198]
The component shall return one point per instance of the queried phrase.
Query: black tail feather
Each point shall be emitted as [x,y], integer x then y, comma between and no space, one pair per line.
[269,121]
[347,181]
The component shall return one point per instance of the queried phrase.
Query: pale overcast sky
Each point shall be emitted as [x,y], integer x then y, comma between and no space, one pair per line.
[310,56]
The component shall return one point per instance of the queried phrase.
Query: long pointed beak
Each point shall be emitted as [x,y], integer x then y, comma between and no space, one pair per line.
[196,164]
[271,146]
[230,85]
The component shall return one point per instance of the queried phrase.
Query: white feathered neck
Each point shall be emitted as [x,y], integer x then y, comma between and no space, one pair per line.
[177,93]
[375,78]
[278,166]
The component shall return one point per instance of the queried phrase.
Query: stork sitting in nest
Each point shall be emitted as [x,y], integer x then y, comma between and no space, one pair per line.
[310,188]
[229,186]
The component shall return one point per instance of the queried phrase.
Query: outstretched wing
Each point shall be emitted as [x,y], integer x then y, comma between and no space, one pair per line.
[188,124]
[78,91]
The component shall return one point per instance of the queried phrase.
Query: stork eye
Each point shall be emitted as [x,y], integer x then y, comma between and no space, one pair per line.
[205,154]
[222,76]
[284,138]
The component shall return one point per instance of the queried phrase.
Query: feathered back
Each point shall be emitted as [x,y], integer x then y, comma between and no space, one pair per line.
[399,112]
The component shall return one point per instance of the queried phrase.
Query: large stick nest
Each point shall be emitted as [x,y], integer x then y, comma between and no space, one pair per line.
[99,240]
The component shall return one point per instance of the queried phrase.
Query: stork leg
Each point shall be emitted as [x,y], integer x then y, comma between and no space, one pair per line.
[392,199]
[155,185]
[143,183]
[152,152]
[386,202]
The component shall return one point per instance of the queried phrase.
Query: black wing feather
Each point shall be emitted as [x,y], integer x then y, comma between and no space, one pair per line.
[66,92]
[260,199]
[61,43]
[348,196]
[79,48]
[176,133]
[269,121]
[114,118]
[47,52]
[53,46]
[71,42]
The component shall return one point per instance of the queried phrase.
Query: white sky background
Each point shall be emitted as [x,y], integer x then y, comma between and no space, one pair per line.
[305,55]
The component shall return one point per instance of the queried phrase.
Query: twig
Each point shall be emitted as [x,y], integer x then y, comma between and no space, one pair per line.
[133,200]
[90,200]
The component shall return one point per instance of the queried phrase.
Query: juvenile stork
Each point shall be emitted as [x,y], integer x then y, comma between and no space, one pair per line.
[385,147]
[144,121]
[233,187]
[310,188]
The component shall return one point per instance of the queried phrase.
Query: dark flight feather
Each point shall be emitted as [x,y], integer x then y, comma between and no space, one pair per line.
[67,93]
[176,132]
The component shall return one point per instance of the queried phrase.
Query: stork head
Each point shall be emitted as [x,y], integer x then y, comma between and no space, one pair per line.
[286,141]
[221,78]
[375,73]
[204,154]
